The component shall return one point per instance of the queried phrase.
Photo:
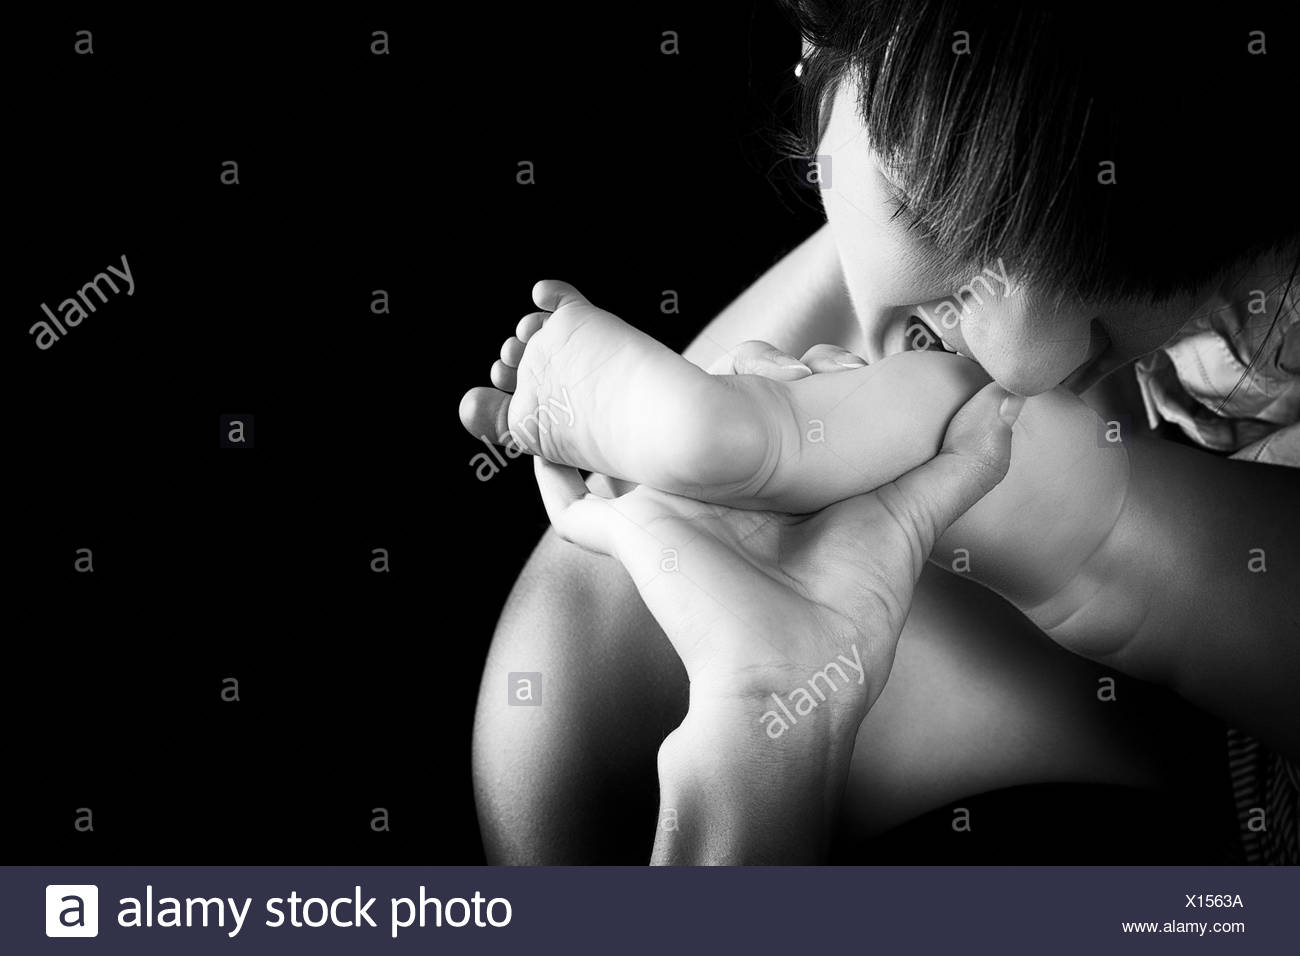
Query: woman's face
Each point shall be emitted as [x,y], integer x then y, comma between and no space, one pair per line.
[1025,341]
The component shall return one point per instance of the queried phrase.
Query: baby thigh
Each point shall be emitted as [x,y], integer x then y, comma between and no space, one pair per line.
[980,699]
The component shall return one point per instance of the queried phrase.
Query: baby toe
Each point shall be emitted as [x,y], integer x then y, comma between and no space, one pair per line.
[485,413]
[553,294]
[503,376]
[512,352]
[529,325]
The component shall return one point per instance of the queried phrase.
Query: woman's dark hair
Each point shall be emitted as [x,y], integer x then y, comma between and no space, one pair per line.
[1100,149]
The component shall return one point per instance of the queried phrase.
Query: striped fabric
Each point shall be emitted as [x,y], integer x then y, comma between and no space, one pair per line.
[1230,379]
[1266,791]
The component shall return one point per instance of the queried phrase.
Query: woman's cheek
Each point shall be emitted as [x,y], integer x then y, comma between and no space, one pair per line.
[882,268]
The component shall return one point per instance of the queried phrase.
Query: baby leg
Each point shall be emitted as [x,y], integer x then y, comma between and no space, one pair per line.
[581,387]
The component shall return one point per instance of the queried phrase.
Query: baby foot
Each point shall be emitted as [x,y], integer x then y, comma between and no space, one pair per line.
[579,386]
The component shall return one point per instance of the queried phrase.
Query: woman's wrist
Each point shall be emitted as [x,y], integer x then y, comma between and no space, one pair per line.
[730,793]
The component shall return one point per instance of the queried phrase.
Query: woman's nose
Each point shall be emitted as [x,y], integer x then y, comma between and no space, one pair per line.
[1027,355]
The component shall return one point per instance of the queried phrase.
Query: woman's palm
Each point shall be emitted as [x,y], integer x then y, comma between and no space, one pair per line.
[722,581]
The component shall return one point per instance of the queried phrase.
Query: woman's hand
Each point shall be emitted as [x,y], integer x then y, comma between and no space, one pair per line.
[786,626]
[761,358]
[756,603]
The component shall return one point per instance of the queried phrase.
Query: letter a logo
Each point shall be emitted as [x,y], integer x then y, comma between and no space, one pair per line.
[72,910]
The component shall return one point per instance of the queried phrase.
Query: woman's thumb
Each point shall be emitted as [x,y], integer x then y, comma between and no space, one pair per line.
[974,457]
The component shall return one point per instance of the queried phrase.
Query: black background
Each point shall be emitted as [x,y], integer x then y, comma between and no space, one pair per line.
[357,172]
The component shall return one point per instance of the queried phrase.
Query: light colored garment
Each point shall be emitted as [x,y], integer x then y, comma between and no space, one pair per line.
[1230,379]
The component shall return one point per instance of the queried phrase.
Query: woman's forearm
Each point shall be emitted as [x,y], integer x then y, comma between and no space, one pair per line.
[730,795]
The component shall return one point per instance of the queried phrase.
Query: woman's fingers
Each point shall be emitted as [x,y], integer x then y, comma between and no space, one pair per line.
[760,358]
[832,358]
[576,515]
[606,487]
[602,526]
